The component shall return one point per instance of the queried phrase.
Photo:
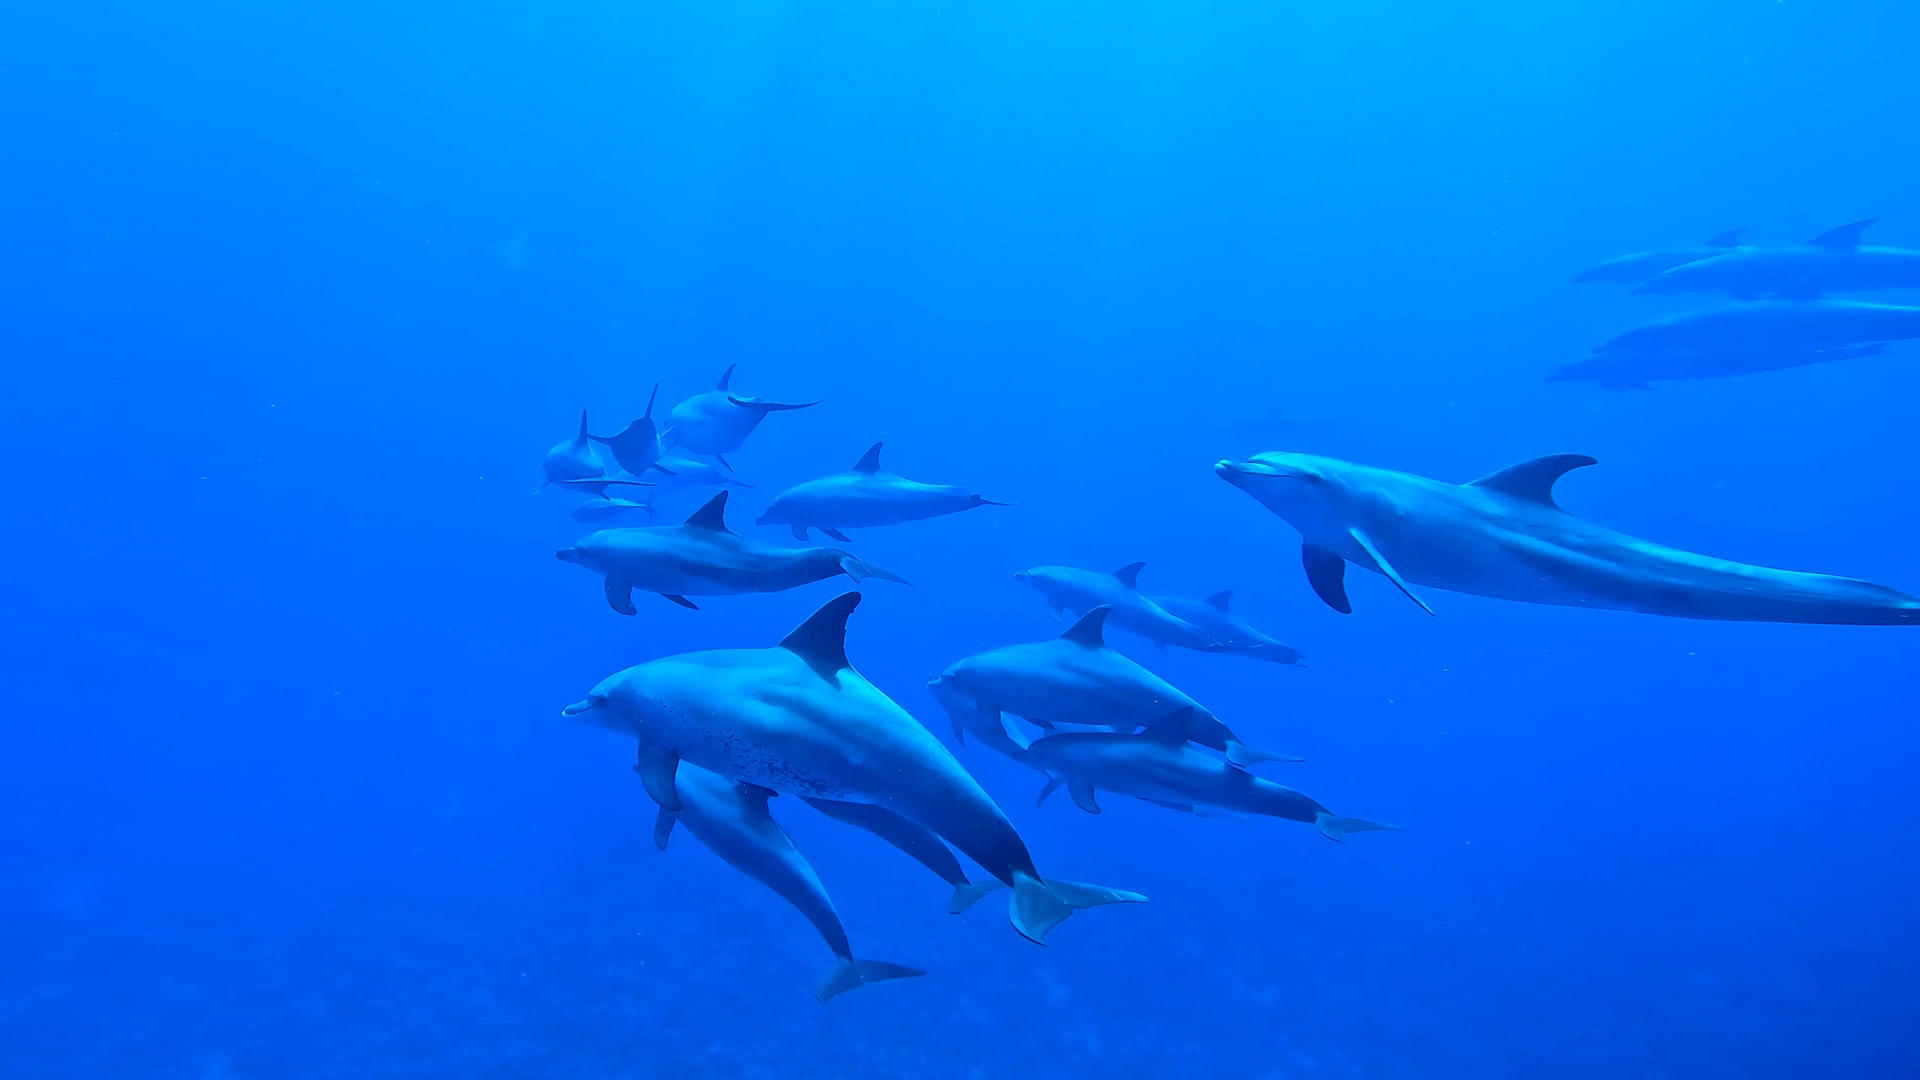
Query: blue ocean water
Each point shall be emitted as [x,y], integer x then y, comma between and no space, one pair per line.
[295,299]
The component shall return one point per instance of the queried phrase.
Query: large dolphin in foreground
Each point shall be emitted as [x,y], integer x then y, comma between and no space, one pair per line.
[864,497]
[718,421]
[1069,588]
[1503,536]
[704,558]
[1638,267]
[1158,766]
[1076,679]
[1834,261]
[1630,370]
[798,719]
[1230,633]
[732,820]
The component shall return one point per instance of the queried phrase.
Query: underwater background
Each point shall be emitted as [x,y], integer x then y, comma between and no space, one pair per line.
[295,298]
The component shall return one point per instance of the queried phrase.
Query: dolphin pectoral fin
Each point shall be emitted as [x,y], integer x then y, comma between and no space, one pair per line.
[662,825]
[1082,793]
[1039,906]
[1053,785]
[620,596]
[724,463]
[1327,573]
[860,571]
[968,893]
[836,534]
[959,730]
[851,974]
[1334,827]
[1380,562]
[656,768]
[799,532]
[681,600]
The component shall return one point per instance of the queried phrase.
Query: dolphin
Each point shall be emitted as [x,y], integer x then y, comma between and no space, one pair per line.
[1628,370]
[1778,326]
[732,820]
[571,459]
[604,509]
[597,486]
[919,844]
[1158,766]
[705,558]
[1230,633]
[864,497]
[1503,536]
[718,422]
[637,446]
[1080,591]
[798,719]
[1076,679]
[972,719]
[1834,261]
[1638,267]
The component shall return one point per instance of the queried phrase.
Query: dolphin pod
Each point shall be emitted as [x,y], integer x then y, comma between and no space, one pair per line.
[1834,261]
[1503,536]
[864,497]
[1640,266]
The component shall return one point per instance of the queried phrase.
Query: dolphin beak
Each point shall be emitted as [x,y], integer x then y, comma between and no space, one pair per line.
[571,555]
[578,707]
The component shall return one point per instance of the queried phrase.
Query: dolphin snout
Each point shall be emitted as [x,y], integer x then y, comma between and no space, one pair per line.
[571,555]
[581,708]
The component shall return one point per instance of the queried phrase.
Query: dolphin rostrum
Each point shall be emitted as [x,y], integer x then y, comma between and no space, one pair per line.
[1834,261]
[732,820]
[718,421]
[705,558]
[1076,679]
[865,496]
[798,719]
[637,446]
[1158,766]
[1069,588]
[1503,536]
[1638,267]
[1229,632]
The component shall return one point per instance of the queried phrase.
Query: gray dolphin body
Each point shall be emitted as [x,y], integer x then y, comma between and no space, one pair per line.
[1638,267]
[1158,766]
[864,497]
[637,446]
[1503,536]
[1769,326]
[1076,679]
[572,459]
[1834,261]
[798,719]
[1230,633]
[704,558]
[718,421]
[1630,370]
[1072,589]
[917,843]
[732,820]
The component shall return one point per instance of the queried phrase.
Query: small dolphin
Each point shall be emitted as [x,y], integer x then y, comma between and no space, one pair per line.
[1158,766]
[1834,261]
[1229,632]
[718,422]
[1080,591]
[865,496]
[970,719]
[1076,679]
[705,558]
[917,843]
[597,486]
[1769,326]
[571,459]
[1503,536]
[1632,269]
[1629,370]
[637,446]
[798,719]
[605,509]
[732,820]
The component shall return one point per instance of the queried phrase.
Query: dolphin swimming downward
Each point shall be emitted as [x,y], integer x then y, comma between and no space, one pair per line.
[1503,536]
[865,496]
[718,422]
[798,719]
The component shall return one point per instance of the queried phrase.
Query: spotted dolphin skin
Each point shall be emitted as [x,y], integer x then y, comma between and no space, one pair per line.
[704,558]
[1503,536]
[798,719]
[1834,261]
[718,422]
[1069,588]
[1158,765]
[864,497]
[732,821]
[1638,267]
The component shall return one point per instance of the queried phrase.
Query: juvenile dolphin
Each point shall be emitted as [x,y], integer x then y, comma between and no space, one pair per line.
[1834,261]
[1076,679]
[864,497]
[1638,267]
[1158,766]
[1769,326]
[919,844]
[1630,370]
[602,508]
[571,459]
[705,558]
[1229,632]
[1503,536]
[637,446]
[798,719]
[732,820]
[1080,591]
[718,422]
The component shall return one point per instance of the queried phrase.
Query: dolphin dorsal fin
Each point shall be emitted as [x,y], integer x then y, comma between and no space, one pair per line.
[1221,601]
[1846,236]
[822,640]
[1533,480]
[583,436]
[711,517]
[1171,729]
[648,415]
[1129,574]
[726,377]
[1091,630]
[1728,239]
[870,461]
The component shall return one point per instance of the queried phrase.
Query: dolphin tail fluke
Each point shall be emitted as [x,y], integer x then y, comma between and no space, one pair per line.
[851,974]
[1039,906]
[1248,756]
[1335,827]
[771,406]
[860,571]
[968,893]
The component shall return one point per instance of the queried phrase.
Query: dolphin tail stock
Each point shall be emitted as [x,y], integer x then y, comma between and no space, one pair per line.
[968,893]
[860,571]
[1245,756]
[1038,906]
[850,974]
[1336,828]
[982,500]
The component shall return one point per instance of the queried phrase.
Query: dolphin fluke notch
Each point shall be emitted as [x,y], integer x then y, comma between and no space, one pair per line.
[1534,480]
[1091,630]
[1844,237]
[1129,575]
[1334,827]
[851,974]
[822,640]
[870,461]
[1039,906]
[712,516]
[1728,239]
